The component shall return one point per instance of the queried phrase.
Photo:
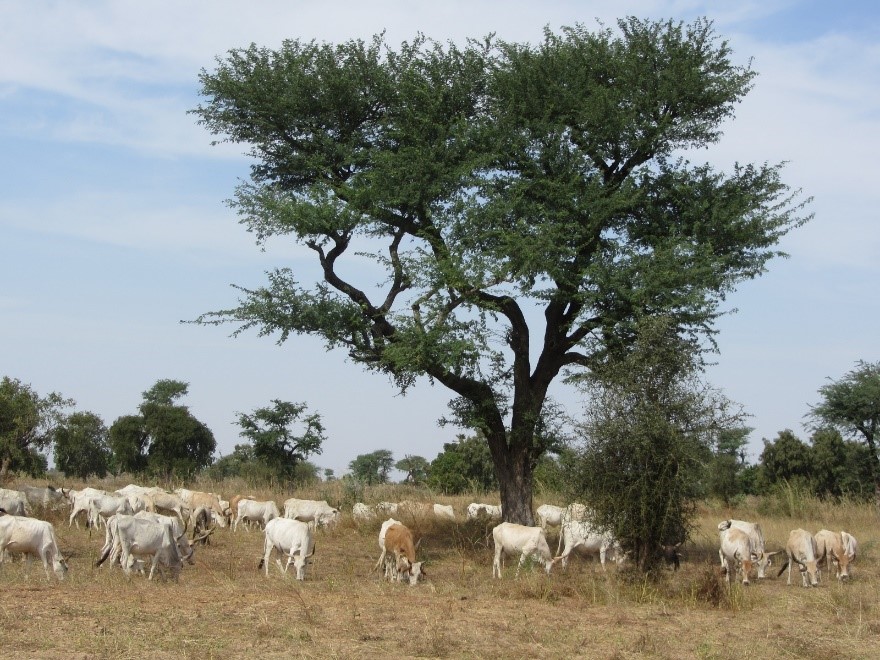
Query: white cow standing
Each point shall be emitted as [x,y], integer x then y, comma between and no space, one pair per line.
[14,502]
[737,551]
[255,510]
[549,515]
[762,558]
[133,537]
[34,538]
[580,535]
[476,510]
[512,539]
[289,537]
[316,512]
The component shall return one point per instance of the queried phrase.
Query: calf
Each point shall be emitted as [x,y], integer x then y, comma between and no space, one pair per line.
[290,537]
[801,550]
[397,539]
[34,538]
[829,545]
[513,539]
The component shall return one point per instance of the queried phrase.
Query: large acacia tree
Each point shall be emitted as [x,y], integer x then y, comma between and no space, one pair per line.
[521,206]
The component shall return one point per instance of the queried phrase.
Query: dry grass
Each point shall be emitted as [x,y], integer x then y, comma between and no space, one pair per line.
[224,608]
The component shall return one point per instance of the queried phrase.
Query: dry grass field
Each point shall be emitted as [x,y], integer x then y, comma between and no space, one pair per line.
[222,607]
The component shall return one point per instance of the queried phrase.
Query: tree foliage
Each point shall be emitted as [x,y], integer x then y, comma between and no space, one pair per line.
[372,468]
[81,446]
[650,427]
[275,442]
[27,422]
[463,466]
[852,406]
[523,206]
[164,438]
[415,467]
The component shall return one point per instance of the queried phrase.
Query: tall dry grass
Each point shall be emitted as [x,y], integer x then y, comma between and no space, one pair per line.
[223,607]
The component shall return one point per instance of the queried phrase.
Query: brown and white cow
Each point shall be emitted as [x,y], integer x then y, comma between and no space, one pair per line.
[801,550]
[396,543]
[737,551]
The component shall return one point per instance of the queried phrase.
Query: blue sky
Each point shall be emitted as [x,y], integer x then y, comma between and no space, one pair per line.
[113,225]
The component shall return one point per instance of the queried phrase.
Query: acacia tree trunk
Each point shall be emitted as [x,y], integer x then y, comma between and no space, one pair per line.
[513,467]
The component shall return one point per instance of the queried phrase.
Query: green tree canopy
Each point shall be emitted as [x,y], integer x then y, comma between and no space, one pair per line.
[82,446]
[372,468]
[852,406]
[463,465]
[522,206]
[165,438]
[275,442]
[415,467]
[27,423]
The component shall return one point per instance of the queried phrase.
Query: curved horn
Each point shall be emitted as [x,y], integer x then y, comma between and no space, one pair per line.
[202,537]
[314,545]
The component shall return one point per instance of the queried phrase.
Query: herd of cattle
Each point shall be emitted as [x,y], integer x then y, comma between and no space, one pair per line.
[149,525]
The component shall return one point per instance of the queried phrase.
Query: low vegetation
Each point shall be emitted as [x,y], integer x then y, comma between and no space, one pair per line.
[224,607]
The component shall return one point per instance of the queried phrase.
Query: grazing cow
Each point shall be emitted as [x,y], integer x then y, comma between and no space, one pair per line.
[671,555]
[14,502]
[386,508]
[42,496]
[361,512]
[583,537]
[141,537]
[764,558]
[737,551]
[829,545]
[477,510]
[254,510]
[317,513]
[801,550]
[196,499]
[290,537]
[396,538]
[850,546]
[161,501]
[444,511]
[102,507]
[513,539]
[81,501]
[34,538]
[549,515]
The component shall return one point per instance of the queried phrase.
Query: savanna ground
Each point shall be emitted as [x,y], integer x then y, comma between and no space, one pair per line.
[222,607]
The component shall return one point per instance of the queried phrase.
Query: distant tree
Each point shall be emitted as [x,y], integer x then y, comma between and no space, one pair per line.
[129,442]
[165,438]
[82,446]
[281,448]
[852,406]
[488,181]
[649,428]
[416,468]
[725,468]
[329,475]
[464,465]
[27,423]
[786,459]
[372,468]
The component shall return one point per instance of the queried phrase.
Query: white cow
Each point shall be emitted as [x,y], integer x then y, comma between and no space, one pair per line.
[513,539]
[549,515]
[290,537]
[140,537]
[362,513]
[444,511]
[477,510]
[34,538]
[317,512]
[850,546]
[162,501]
[42,496]
[102,507]
[586,539]
[254,510]
[574,511]
[763,559]
[801,550]
[80,501]
[386,508]
[830,546]
[737,551]
[14,502]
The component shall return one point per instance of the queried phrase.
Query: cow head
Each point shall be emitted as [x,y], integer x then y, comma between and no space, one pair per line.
[810,568]
[764,561]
